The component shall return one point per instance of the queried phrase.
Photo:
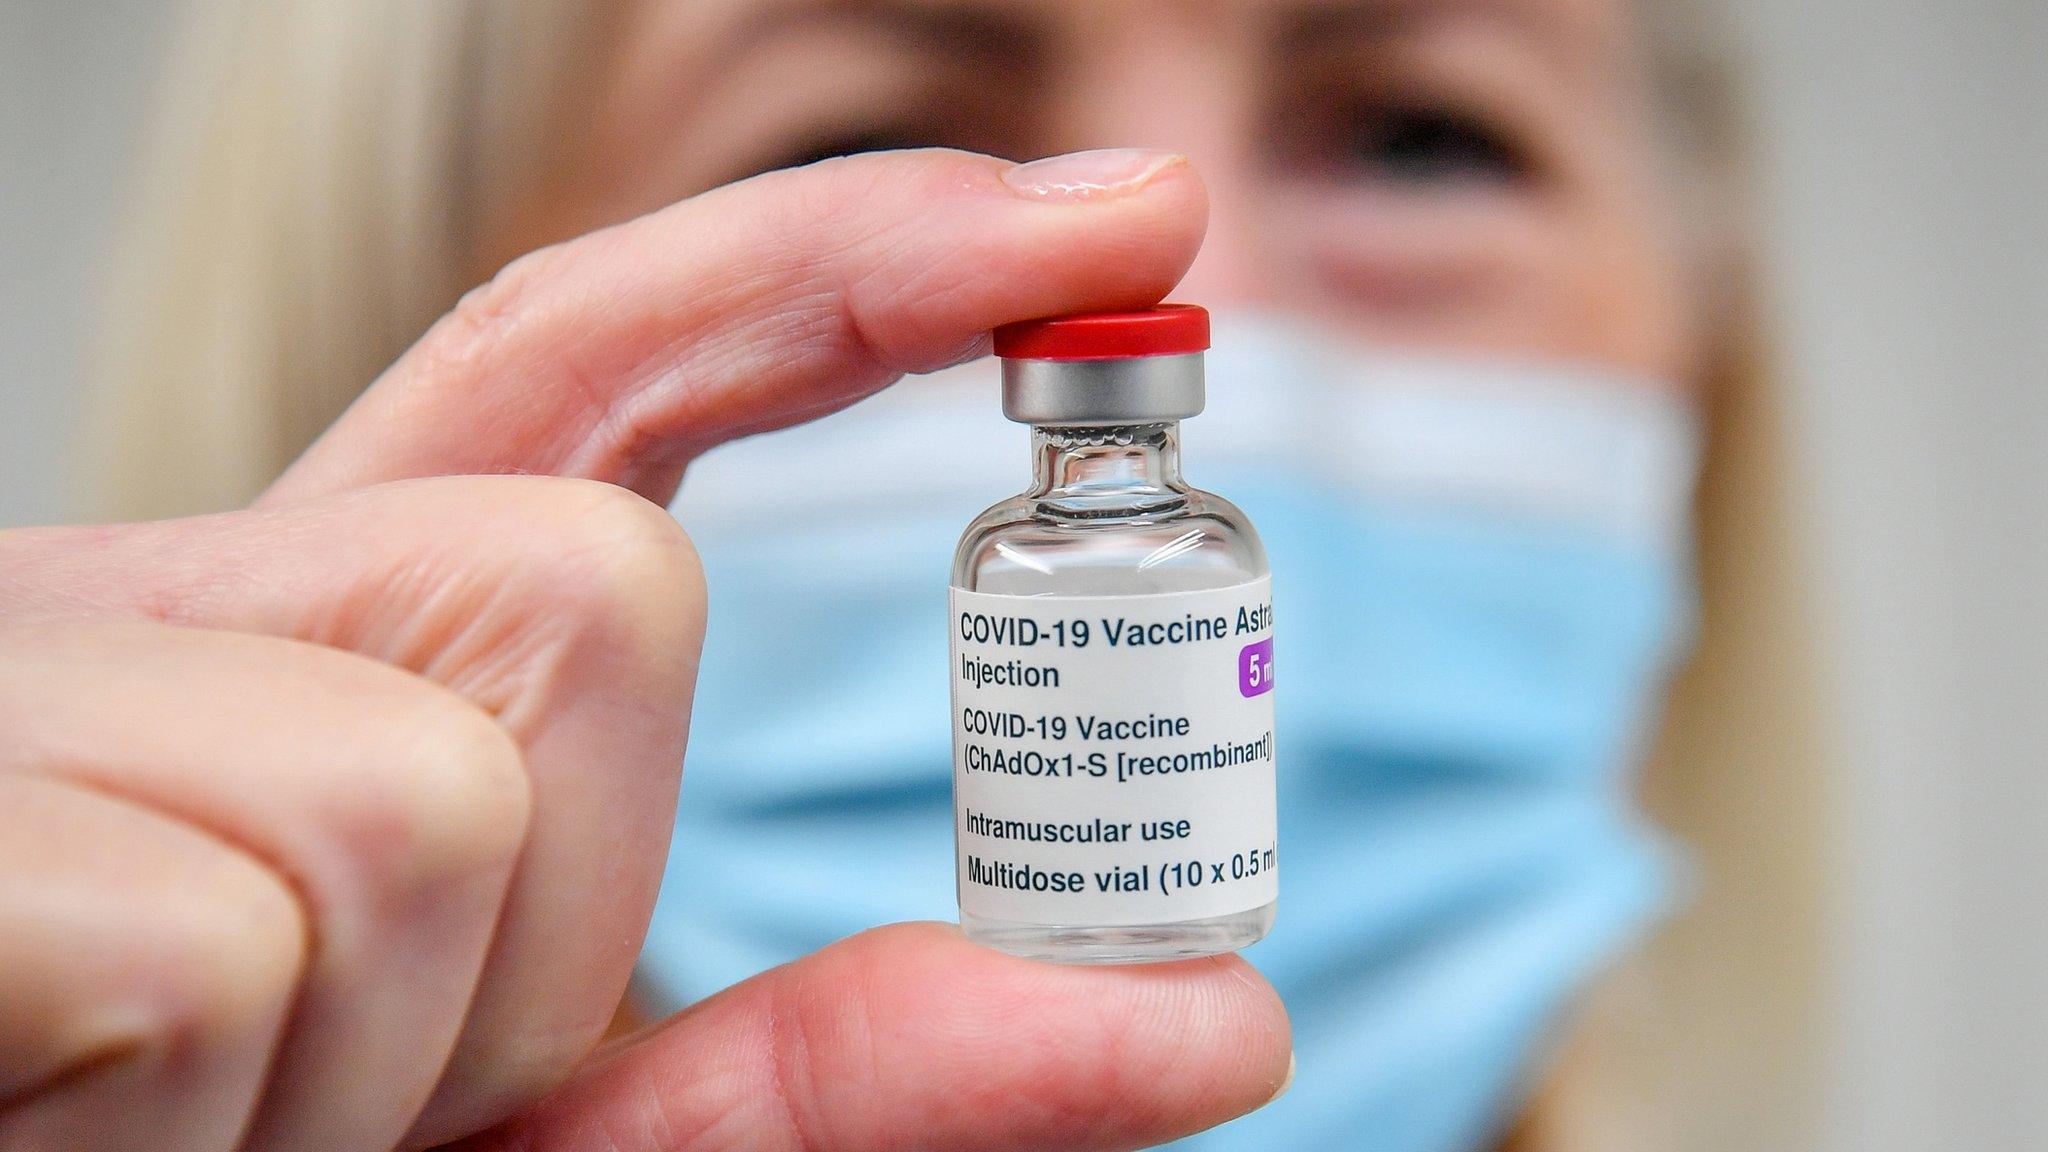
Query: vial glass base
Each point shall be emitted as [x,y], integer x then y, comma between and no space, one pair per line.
[1123,944]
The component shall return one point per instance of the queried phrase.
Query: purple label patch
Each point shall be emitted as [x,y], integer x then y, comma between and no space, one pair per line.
[1255,668]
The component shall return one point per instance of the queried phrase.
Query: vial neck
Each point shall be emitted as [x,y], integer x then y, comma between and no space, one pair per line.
[1123,467]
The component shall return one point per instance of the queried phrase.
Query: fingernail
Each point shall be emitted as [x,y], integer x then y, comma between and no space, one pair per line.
[1102,174]
[1286,1083]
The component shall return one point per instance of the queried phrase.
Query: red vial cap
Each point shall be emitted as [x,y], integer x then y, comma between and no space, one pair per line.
[1162,330]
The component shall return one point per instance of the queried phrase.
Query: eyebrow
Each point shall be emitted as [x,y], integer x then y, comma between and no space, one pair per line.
[1005,32]
[1317,22]
[1018,34]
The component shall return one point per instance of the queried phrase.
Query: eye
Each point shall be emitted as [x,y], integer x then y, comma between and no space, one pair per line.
[1425,146]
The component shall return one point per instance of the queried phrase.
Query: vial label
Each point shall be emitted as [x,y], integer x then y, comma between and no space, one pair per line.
[1113,755]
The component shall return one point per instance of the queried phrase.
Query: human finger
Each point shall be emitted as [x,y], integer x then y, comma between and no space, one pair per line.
[568,611]
[910,1037]
[392,808]
[620,355]
[146,971]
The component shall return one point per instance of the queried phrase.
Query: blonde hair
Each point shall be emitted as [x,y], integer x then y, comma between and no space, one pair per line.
[316,182]
[319,184]
[1705,1040]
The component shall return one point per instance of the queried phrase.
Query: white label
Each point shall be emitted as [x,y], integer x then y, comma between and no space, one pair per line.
[1113,755]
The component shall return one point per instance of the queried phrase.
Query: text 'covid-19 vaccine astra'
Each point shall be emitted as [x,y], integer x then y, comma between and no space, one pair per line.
[1112,650]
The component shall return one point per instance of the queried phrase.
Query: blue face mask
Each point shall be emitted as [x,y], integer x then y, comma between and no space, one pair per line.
[1482,581]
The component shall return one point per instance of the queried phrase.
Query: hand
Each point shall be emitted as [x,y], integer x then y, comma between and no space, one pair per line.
[334,823]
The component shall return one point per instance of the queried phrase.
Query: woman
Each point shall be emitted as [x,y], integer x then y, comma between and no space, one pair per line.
[1417,189]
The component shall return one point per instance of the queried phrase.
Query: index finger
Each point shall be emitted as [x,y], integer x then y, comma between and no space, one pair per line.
[620,355]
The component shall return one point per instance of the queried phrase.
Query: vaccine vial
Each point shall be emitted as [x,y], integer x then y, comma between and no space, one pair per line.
[1112,651]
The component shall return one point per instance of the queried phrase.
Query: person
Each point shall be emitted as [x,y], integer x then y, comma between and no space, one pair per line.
[375,777]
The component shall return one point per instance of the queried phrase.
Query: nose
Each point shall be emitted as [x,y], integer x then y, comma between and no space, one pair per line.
[1175,79]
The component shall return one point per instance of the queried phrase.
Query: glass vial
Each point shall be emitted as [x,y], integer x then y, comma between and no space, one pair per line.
[1112,671]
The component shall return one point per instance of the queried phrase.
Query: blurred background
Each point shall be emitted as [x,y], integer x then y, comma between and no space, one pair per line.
[1902,172]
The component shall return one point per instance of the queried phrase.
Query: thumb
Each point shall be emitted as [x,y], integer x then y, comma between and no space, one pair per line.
[909,1037]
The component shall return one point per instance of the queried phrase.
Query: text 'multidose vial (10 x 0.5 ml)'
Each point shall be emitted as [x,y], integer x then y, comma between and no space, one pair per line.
[1112,651]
